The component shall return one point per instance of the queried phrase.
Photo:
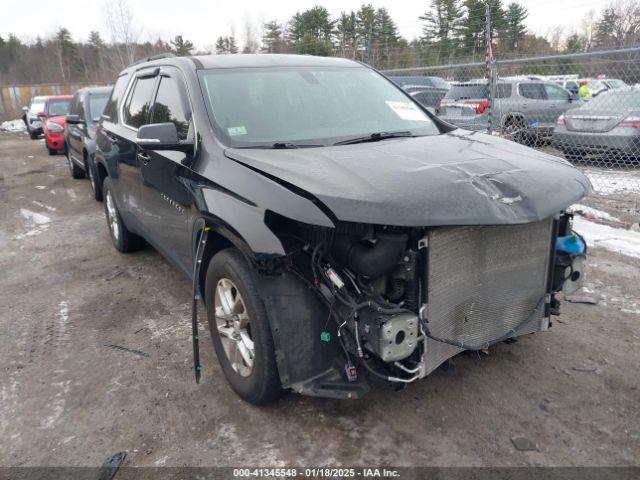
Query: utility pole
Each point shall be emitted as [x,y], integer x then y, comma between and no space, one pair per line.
[489,60]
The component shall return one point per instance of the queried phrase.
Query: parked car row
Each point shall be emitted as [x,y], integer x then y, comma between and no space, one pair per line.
[49,116]
[533,110]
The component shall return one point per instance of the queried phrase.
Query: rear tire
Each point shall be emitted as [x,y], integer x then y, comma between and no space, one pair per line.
[74,170]
[33,136]
[121,237]
[52,151]
[515,128]
[96,188]
[246,329]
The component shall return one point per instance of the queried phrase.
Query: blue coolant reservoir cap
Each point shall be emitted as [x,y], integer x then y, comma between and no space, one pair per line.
[571,244]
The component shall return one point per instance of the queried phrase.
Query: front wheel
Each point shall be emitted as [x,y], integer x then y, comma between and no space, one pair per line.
[240,329]
[96,188]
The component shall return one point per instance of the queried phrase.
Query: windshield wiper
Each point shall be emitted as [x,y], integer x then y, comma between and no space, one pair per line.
[284,145]
[374,137]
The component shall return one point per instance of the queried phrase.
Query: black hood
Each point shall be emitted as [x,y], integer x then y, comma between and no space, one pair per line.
[457,178]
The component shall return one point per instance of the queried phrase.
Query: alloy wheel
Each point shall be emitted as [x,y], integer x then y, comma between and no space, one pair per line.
[234,327]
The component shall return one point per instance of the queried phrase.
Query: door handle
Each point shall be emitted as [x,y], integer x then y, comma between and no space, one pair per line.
[144,158]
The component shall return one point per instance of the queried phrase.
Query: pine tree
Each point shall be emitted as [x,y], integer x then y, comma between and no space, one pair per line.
[347,34]
[574,44]
[273,39]
[605,27]
[95,40]
[515,29]
[365,25]
[442,27]
[181,47]
[310,32]
[226,45]
[66,53]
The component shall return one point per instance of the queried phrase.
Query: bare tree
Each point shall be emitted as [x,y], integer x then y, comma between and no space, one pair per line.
[587,25]
[124,34]
[250,40]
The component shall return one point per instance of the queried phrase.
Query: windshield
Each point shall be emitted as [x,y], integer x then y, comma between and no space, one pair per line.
[58,107]
[468,91]
[614,101]
[595,85]
[440,83]
[96,106]
[614,83]
[36,107]
[314,105]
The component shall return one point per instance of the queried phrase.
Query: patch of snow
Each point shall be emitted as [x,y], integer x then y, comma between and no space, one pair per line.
[40,187]
[585,210]
[72,194]
[17,125]
[37,218]
[161,461]
[609,182]
[619,240]
[44,205]
[36,222]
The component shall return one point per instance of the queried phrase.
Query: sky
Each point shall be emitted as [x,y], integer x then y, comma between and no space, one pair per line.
[202,21]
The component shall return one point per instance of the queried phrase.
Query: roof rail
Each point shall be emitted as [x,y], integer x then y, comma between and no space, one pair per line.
[151,58]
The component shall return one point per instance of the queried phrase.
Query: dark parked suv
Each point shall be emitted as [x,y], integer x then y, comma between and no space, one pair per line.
[79,135]
[336,231]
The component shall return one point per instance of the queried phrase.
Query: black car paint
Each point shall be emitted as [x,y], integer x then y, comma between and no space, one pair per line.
[80,138]
[164,196]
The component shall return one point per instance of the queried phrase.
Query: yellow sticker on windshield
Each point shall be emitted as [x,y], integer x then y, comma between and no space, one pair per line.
[234,131]
[406,110]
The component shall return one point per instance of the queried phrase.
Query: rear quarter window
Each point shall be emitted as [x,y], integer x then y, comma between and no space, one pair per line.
[467,92]
[111,109]
[534,91]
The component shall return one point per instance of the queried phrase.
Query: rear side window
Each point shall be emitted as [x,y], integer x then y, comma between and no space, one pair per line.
[169,106]
[503,90]
[478,91]
[111,110]
[76,106]
[534,91]
[468,92]
[136,111]
[556,93]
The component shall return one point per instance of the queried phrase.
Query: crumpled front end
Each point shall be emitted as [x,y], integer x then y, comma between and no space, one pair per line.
[397,302]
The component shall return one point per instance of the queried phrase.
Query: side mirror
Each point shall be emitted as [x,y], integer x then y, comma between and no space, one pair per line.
[162,136]
[74,120]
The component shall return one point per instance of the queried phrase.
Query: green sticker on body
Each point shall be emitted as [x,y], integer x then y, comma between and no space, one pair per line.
[234,131]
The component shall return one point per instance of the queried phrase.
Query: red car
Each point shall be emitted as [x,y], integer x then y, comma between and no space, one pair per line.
[54,121]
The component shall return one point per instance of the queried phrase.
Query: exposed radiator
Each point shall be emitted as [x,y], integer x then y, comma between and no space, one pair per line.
[484,281]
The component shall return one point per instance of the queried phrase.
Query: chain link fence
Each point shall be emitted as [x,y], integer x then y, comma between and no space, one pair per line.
[584,107]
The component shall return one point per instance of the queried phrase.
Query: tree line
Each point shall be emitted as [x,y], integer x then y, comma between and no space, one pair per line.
[452,31]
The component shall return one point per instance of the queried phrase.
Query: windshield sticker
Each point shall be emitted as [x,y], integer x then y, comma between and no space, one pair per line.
[235,131]
[406,110]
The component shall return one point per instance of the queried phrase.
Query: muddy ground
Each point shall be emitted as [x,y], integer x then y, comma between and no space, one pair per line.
[68,398]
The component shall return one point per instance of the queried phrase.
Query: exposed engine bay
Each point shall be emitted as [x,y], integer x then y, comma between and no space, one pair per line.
[399,301]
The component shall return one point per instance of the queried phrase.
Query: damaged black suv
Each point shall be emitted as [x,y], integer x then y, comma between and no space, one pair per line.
[336,230]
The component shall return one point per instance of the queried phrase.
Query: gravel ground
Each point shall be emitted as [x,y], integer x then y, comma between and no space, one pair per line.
[68,398]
